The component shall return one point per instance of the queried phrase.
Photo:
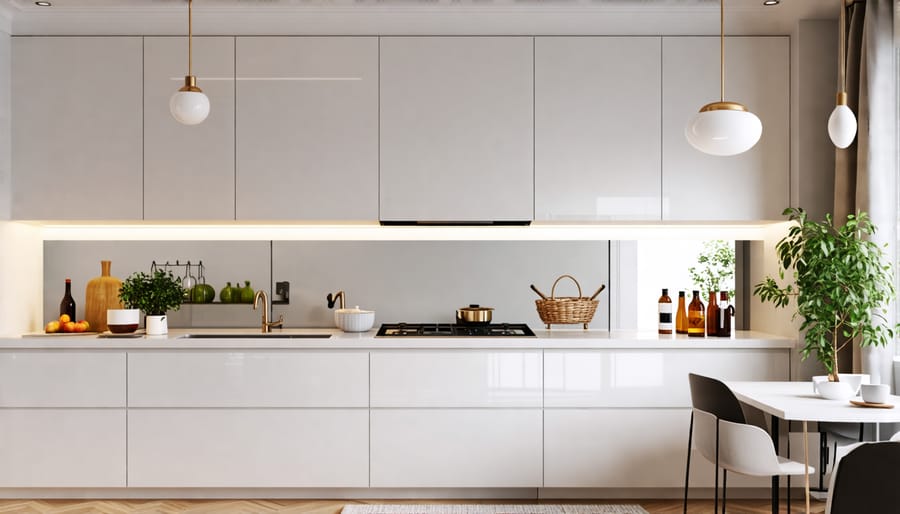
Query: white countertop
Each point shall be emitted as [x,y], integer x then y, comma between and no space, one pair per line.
[546,339]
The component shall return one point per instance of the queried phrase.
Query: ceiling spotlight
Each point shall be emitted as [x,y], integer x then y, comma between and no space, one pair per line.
[772,2]
[43,4]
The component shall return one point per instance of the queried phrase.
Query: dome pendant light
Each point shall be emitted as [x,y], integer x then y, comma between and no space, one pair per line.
[723,128]
[189,105]
[842,122]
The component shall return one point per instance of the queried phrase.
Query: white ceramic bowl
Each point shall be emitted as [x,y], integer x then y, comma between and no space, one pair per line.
[354,320]
[123,321]
[847,388]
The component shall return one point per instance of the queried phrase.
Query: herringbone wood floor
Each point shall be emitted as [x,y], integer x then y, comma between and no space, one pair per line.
[332,506]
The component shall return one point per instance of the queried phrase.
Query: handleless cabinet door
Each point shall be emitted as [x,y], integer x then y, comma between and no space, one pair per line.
[597,125]
[240,379]
[457,129]
[456,447]
[188,169]
[753,185]
[307,128]
[76,102]
[62,447]
[58,378]
[456,378]
[248,448]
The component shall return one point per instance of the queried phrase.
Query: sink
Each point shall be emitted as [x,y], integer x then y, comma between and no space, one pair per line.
[255,336]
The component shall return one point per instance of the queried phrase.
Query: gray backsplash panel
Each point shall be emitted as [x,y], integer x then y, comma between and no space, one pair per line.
[223,261]
[426,281]
[412,281]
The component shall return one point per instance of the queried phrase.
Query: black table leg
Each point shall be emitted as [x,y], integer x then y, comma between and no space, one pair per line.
[775,484]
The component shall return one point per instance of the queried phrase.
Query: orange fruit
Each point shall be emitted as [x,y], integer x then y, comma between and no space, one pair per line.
[64,318]
[68,326]
[52,327]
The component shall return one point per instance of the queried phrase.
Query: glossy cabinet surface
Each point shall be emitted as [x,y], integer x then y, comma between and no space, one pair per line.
[597,128]
[456,448]
[188,169]
[455,378]
[456,129]
[62,379]
[76,130]
[754,185]
[307,128]
[248,379]
[248,448]
[62,448]
[648,378]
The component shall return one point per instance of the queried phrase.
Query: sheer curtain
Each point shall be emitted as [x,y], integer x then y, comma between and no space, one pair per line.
[866,172]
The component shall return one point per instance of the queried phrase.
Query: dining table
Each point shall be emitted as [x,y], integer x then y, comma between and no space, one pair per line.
[796,401]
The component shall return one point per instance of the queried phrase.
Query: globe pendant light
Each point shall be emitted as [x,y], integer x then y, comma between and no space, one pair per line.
[842,122]
[723,128]
[189,105]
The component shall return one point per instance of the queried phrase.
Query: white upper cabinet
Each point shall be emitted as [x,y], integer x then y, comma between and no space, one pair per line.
[188,169]
[307,128]
[457,129]
[749,186]
[76,130]
[597,128]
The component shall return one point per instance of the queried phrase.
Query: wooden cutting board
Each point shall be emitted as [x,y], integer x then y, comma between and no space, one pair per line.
[100,294]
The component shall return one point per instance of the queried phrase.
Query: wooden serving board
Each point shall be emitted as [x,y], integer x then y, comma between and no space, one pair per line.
[59,334]
[872,405]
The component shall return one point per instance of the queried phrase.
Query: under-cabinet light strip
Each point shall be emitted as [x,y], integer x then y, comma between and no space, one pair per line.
[215,232]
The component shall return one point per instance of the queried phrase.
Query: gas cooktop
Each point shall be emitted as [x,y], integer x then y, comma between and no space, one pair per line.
[453,330]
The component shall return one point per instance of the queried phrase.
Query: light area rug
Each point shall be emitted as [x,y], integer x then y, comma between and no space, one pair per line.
[493,509]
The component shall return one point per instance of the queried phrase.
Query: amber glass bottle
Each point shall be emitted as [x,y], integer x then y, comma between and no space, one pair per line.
[696,322]
[665,313]
[712,316]
[681,316]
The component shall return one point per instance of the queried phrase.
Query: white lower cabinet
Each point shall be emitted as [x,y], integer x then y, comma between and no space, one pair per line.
[248,448]
[456,448]
[62,448]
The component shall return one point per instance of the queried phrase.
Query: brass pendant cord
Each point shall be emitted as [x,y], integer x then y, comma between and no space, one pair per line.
[722,49]
[191,37]
[842,51]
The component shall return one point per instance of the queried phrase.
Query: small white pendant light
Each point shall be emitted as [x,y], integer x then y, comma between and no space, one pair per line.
[189,105]
[842,122]
[723,128]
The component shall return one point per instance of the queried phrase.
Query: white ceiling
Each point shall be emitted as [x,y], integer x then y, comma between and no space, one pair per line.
[626,17]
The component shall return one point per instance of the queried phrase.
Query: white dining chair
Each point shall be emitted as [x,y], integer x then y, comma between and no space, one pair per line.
[896,437]
[745,449]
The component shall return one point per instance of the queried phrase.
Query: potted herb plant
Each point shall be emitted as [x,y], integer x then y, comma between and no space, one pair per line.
[841,282]
[154,294]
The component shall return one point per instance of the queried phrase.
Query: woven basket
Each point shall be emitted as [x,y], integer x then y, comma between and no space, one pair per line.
[566,310]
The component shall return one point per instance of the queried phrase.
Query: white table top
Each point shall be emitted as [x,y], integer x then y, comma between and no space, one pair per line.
[796,401]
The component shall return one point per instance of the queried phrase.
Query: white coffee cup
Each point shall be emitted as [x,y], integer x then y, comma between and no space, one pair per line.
[875,393]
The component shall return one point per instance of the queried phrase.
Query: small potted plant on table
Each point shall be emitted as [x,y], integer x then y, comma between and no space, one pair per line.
[842,282]
[154,294]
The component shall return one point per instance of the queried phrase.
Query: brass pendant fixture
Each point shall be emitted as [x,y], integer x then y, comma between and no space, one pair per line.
[189,105]
[723,128]
[842,122]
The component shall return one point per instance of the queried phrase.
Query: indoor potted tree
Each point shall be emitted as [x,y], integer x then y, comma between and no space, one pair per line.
[841,283]
[154,294]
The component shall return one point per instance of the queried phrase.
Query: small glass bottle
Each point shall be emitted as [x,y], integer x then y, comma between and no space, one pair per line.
[665,313]
[712,316]
[67,305]
[681,317]
[726,312]
[696,325]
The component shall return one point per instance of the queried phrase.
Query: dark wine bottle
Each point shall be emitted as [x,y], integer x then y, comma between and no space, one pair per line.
[67,305]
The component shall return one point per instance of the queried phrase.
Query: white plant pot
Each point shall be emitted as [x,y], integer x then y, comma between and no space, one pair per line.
[847,388]
[157,326]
